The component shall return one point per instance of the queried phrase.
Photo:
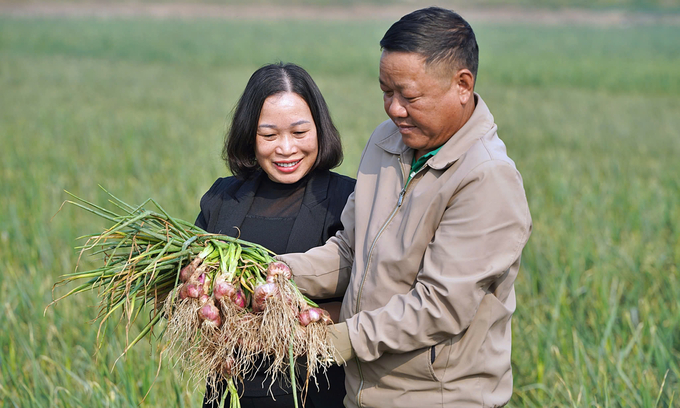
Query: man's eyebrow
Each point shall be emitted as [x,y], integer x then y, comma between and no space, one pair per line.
[382,83]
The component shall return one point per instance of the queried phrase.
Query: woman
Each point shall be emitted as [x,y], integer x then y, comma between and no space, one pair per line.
[280,148]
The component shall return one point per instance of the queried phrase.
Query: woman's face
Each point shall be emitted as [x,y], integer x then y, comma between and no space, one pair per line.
[286,145]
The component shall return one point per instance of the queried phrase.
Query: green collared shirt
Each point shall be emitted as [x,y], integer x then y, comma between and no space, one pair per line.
[418,164]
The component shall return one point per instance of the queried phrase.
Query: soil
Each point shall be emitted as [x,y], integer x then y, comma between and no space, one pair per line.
[355,12]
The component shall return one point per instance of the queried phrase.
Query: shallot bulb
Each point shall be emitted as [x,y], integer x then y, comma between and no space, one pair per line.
[314,314]
[278,268]
[183,292]
[223,289]
[261,294]
[189,269]
[188,290]
[210,314]
[239,299]
[198,275]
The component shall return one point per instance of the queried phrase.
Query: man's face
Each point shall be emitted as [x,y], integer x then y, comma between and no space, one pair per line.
[427,104]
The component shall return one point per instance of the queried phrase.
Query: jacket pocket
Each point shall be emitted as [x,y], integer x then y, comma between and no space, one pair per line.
[438,359]
[397,370]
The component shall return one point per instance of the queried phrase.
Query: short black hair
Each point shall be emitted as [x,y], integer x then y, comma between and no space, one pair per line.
[440,35]
[271,79]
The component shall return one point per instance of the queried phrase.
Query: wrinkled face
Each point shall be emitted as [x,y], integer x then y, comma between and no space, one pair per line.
[286,145]
[424,102]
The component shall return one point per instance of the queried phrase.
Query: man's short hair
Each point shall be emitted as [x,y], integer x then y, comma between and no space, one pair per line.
[239,146]
[441,36]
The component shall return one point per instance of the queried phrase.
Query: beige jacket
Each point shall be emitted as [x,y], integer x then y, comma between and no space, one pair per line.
[427,271]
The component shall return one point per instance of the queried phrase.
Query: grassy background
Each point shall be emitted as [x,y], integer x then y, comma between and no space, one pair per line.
[640,5]
[589,114]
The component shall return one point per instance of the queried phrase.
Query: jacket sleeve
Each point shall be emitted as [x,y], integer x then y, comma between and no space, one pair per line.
[323,272]
[474,253]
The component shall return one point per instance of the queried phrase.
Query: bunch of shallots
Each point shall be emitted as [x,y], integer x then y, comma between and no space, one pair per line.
[224,301]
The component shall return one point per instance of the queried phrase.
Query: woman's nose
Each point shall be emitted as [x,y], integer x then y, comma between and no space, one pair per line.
[287,145]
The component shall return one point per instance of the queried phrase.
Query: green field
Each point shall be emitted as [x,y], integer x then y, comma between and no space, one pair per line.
[590,115]
[638,5]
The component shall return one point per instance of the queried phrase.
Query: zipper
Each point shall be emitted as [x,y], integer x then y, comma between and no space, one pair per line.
[400,201]
[363,279]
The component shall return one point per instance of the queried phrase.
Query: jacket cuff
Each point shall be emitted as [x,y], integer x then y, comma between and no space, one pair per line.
[342,346]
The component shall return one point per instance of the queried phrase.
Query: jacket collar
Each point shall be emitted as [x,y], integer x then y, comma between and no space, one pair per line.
[315,193]
[310,222]
[479,124]
[234,206]
[247,189]
[237,202]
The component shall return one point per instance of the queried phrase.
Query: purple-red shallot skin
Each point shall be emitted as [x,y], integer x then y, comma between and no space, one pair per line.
[304,318]
[210,315]
[239,299]
[197,278]
[183,292]
[223,289]
[260,295]
[214,323]
[279,268]
[313,315]
[208,311]
[189,269]
[185,273]
[192,291]
[203,299]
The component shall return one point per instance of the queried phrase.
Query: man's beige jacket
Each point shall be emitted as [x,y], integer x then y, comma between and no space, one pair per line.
[427,271]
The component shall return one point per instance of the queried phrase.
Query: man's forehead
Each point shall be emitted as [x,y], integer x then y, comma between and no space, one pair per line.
[409,69]
[402,54]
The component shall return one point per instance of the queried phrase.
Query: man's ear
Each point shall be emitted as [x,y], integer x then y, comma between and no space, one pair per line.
[466,85]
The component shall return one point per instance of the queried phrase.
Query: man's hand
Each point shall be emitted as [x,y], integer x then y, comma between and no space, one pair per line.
[342,347]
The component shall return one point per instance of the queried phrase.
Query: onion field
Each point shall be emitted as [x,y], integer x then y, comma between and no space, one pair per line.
[590,114]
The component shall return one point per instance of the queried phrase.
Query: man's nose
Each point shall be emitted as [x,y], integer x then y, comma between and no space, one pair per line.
[395,108]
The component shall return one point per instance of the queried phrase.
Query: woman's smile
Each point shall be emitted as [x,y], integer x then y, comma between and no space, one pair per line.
[286,146]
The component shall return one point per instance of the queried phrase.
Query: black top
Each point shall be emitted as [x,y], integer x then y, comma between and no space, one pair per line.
[284,218]
[272,214]
[226,204]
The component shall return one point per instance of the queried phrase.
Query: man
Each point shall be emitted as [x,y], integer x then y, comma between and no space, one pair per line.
[433,234]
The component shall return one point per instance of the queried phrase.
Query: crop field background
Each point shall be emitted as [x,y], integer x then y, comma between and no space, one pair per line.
[590,113]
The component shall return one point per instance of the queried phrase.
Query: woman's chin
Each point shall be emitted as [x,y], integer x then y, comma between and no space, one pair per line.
[285,178]
[286,174]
